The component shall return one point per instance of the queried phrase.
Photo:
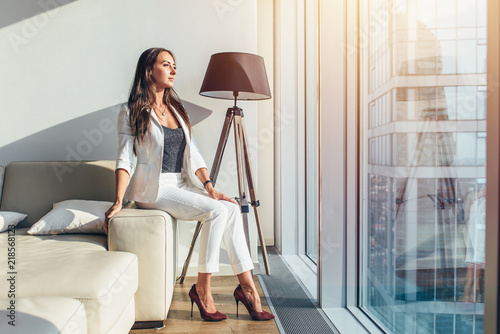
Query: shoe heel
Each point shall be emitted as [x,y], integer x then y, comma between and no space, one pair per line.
[192,301]
[236,307]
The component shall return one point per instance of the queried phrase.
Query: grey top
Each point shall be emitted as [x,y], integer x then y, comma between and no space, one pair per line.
[173,149]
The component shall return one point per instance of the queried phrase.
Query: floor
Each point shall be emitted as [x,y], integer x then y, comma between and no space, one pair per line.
[179,318]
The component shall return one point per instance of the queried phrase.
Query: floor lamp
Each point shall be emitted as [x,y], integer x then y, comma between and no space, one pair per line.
[235,76]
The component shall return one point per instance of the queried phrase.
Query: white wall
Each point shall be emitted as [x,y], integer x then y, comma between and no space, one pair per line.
[65,70]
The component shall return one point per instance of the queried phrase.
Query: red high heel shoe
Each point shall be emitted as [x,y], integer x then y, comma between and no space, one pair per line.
[216,316]
[240,296]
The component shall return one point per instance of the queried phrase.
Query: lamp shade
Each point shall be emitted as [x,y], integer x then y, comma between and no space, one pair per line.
[230,72]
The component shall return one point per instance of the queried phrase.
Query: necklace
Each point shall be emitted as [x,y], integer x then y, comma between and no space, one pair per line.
[162,112]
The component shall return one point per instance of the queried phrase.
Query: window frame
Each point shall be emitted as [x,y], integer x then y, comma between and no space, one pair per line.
[491,280]
[339,75]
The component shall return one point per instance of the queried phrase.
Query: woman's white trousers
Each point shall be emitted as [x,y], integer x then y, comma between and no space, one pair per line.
[221,220]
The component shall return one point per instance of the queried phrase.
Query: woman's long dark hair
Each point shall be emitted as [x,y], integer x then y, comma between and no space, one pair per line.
[142,97]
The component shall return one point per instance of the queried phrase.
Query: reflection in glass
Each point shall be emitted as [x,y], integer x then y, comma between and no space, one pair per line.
[423,121]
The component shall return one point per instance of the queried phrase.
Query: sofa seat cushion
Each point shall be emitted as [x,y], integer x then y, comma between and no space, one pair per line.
[81,241]
[76,266]
[44,314]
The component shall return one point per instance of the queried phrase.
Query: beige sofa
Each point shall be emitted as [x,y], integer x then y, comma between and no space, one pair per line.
[84,283]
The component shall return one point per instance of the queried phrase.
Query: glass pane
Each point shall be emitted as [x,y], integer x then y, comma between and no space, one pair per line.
[311,135]
[466,102]
[466,56]
[422,183]
[466,11]
[449,56]
[447,10]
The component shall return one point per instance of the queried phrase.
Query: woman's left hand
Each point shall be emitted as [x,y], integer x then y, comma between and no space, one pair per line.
[219,196]
[209,186]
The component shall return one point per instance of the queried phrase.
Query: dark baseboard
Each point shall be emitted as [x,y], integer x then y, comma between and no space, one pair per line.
[147,324]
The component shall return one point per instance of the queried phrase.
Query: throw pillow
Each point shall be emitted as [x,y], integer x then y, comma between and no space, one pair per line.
[73,216]
[10,218]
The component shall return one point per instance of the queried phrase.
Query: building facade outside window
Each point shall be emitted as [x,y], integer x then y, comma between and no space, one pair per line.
[423,164]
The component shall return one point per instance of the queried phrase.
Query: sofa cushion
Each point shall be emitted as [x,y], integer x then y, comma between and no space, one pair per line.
[126,321]
[80,241]
[44,314]
[76,266]
[43,183]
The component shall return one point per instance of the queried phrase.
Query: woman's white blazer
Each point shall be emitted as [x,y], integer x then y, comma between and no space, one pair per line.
[145,179]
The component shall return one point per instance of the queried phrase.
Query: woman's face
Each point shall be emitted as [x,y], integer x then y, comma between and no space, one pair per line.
[164,71]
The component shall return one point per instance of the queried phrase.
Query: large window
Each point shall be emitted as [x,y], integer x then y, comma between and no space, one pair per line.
[311,128]
[422,167]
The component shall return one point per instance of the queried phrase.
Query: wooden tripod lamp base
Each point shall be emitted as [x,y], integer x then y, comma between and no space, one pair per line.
[236,76]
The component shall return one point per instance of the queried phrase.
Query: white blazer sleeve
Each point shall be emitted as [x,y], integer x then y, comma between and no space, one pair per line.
[125,157]
[197,161]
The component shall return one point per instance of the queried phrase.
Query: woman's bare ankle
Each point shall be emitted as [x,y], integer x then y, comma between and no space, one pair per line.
[253,296]
[206,298]
[202,290]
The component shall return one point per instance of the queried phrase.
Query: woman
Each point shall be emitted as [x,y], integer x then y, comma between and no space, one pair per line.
[171,175]
[474,280]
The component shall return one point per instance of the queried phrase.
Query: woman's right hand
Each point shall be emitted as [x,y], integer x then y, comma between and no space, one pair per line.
[113,210]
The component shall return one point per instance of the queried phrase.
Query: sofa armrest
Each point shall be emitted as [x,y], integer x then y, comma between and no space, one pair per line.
[150,234]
